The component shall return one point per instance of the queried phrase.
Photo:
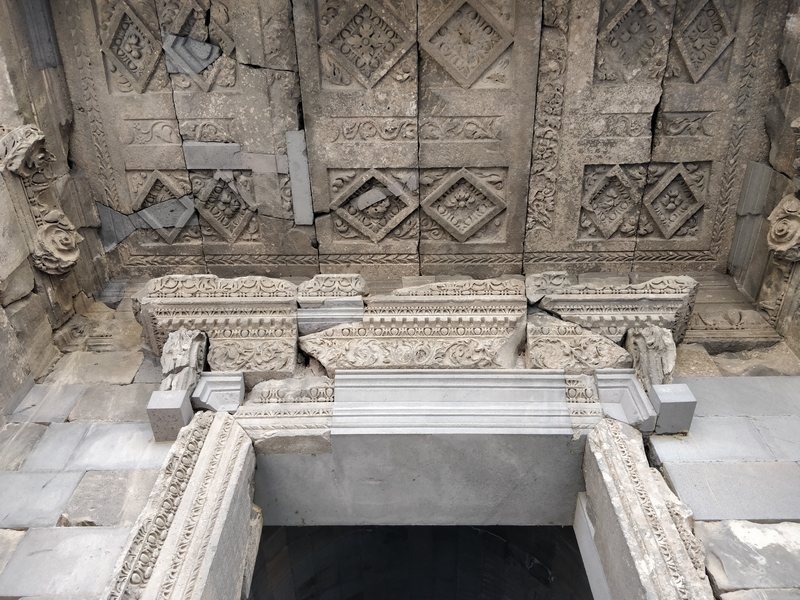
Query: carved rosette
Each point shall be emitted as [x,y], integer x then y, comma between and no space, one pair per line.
[54,240]
[783,237]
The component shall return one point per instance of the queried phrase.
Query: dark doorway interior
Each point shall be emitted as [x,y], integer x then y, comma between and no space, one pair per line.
[419,563]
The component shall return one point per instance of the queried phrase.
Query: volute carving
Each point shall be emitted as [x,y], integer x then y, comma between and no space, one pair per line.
[783,237]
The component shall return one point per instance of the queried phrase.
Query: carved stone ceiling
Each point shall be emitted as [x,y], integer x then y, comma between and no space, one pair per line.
[443,136]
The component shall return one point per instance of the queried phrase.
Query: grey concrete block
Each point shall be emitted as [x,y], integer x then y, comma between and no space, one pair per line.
[111,498]
[34,499]
[758,491]
[168,411]
[186,55]
[48,403]
[299,178]
[16,442]
[63,561]
[675,404]
[117,403]
[745,396]
[219,392]
[713,439]
[743,555]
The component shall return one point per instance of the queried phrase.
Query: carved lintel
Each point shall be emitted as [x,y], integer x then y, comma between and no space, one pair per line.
[654,354]
[649,550]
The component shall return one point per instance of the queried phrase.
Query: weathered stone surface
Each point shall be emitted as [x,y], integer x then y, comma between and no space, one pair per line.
[775,360]
[556,344]
[110,498]
[613,309]
[219,392]
[457,324]
[182,359]
[251,322]
[48,403]
[51,491]
[16,442]
[784,232]
[9,539]
[115,403]
[169,411]
[730,329]
[762,595]
[744,555]
[96,367]
[332,290]
[642,531]
[654,354]
[29,319]
[289,416]
[693,360]
[540,284]
[190,537]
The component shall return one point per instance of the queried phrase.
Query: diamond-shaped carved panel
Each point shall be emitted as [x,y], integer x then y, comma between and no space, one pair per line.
[463,205]
[225,204]
[703,36]
[465,39]
[131,47]
[367,40]
[374,205]
[609,200]
[673,201]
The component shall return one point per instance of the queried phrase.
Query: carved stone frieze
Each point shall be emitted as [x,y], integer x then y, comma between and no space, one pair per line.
[643,528]
[25,163]
[182,359]
[251,322]
[556,344]
[613,309]
[457,324]
[540,284]
[324,289]
[278,413]
[654,354]
[188,538]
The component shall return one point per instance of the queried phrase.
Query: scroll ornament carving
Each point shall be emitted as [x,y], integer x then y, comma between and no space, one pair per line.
[539,284]
[333,286]
[56,241]
[783,237]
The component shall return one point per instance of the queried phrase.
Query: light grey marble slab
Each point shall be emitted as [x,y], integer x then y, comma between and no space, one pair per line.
[34,499]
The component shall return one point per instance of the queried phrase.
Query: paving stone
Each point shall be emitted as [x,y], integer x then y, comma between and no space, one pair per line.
[712,439]
[56,446]
[63,561]
[9,538]
[96,367]
[118,403]
[762,595]
[745,396]
[781,434]
[48,403]
[150,370]
[16,442]
[115,446]
[759,491]
[110,498]
[744,555]
[775,360]
[34,499]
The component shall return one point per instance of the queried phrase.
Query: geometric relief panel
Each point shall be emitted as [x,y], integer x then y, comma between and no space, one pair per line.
[374,204]
[226,205]
[654,201]
[463,204]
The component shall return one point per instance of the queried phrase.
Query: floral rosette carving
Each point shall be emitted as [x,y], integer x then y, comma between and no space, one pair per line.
[56,245]
[784,232]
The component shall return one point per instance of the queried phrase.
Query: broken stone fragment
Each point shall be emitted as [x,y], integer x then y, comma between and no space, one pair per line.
[182,359]
[654,354]
[185,55]
[613,309]
[556,344]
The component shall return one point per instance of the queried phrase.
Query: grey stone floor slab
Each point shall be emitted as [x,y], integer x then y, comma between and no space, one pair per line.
[713,439]
[781,434]
[114,403]
[48,403]
[9,539]
[56,446]
[34,499]
[745,396]
[117,367]
[762,595]
[16,442]
[149,371]
[63,561]
[756,491]
[111,498]
[742,555]
[118,446]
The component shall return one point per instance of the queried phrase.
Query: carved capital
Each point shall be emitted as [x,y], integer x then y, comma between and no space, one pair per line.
[23,151]
[783,237]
